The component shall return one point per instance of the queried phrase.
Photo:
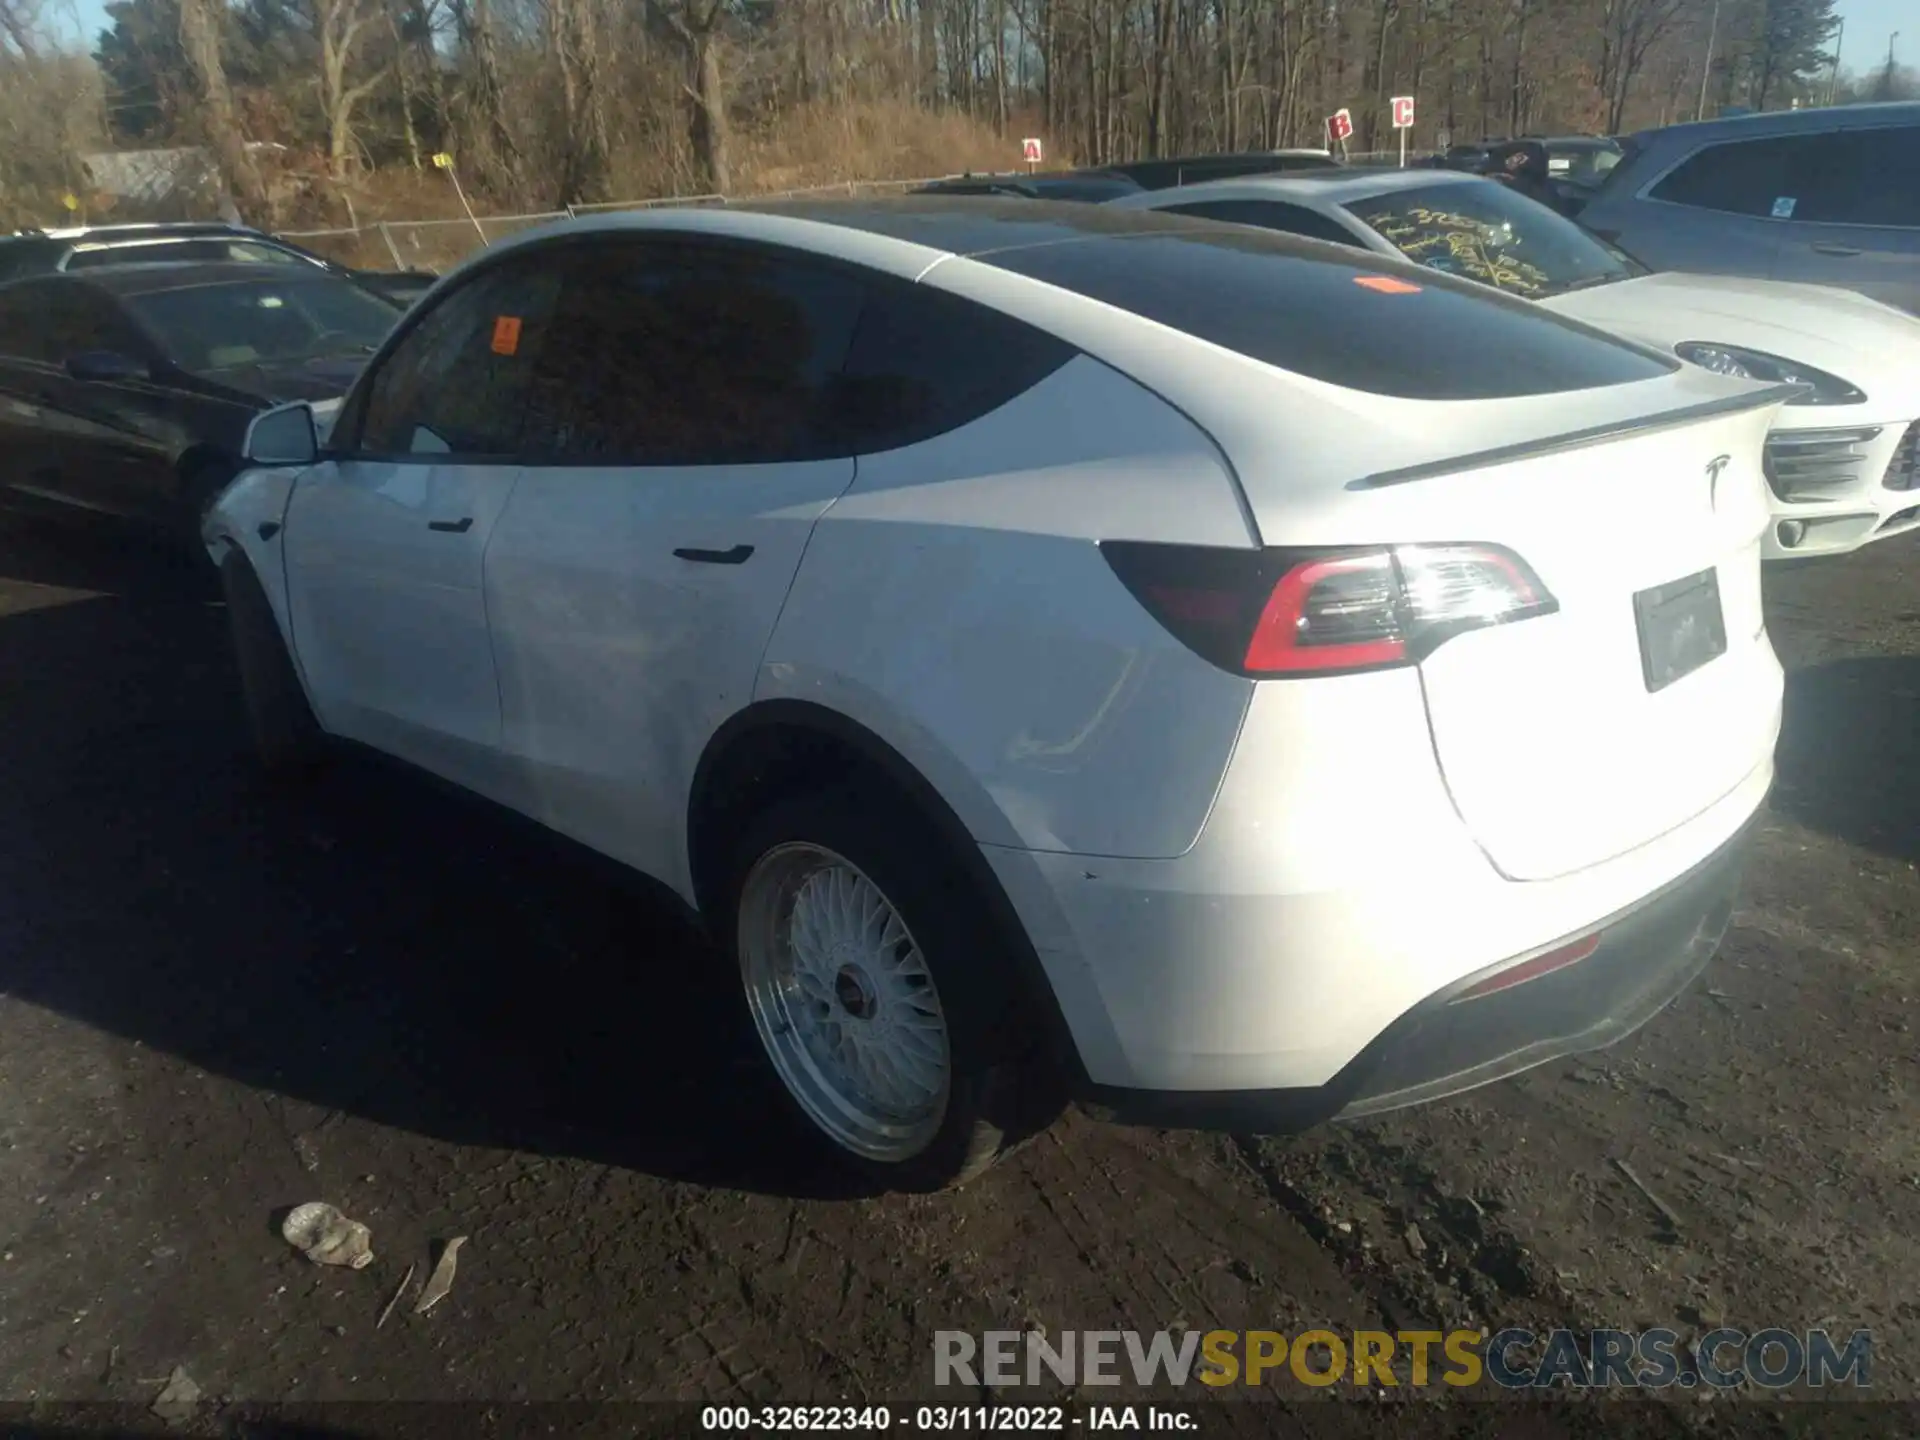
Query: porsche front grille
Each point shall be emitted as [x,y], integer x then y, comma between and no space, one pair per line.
[1817,464]
[1904,471]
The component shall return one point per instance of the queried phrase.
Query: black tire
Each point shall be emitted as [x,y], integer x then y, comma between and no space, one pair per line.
[287,739]
[1002,1087]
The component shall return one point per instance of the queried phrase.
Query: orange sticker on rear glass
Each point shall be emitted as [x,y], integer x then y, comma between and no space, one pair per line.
[506,334]
[1386,284]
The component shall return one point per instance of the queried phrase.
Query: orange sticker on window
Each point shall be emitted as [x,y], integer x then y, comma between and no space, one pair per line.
[506,334]
[1386,284]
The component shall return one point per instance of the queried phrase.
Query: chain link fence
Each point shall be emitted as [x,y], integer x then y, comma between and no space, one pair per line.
[438,244]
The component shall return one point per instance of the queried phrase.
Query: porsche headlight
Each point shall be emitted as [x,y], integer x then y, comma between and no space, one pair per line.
[1817,386]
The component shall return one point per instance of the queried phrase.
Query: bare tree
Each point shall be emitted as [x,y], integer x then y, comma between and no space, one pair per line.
[341,27]
[496,151]
[18,21]
[695,25]
[575,41]
[200,39]
[1629,29]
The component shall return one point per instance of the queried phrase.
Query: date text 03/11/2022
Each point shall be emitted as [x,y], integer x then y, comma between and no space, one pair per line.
[948,1418]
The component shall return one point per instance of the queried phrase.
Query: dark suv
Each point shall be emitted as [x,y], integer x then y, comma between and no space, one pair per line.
[1827,196]
[1090,186]
[48,252]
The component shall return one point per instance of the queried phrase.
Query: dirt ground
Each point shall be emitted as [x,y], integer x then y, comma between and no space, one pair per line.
[215,1007]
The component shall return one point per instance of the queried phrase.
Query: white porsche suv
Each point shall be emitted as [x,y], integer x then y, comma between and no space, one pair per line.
[1249,682]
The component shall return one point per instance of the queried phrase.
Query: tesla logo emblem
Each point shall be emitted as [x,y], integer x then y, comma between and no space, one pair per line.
[1714,467]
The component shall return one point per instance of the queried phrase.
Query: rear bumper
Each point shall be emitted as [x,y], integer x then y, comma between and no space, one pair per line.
[1647,955]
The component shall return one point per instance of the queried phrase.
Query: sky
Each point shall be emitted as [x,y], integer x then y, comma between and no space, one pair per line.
[1863,47]
[1869,25]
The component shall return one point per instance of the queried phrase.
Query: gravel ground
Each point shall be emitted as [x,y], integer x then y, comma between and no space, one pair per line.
[214,1007]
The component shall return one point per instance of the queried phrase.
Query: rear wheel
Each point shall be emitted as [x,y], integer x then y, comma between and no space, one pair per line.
[885,1007]
[286,737]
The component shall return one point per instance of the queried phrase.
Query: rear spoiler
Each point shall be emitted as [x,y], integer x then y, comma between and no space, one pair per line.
[1578,439]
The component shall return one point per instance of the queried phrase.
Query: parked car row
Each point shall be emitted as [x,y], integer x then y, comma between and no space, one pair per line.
[1232,652]
[1843,460]
[43,252]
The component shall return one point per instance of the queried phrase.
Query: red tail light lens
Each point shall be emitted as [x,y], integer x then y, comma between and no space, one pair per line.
[1290,612]
[1560,959]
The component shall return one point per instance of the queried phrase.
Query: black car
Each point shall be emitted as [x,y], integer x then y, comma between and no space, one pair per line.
[1110,182]
[1198,169]
[1091,186]
[128,391]
[1473,159]
[46,252]
[1582,161]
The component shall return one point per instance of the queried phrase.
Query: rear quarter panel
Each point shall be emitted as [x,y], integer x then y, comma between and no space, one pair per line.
[1666,236]
[955,602]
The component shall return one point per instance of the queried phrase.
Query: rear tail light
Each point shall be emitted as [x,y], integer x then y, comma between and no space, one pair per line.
[1297,612]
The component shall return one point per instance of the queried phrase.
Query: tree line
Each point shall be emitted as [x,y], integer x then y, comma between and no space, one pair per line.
[550,102]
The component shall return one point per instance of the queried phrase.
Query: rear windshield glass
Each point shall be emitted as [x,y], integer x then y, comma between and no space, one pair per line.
[1346,321]
[1481,230]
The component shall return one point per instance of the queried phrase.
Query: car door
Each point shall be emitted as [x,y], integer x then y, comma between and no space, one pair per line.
[29,430]
[132,430]
[1856,220]
[102,444]
[385,539]
[679,456]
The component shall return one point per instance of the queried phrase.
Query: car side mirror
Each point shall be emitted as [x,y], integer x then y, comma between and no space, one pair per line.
[107,367]
[284,435]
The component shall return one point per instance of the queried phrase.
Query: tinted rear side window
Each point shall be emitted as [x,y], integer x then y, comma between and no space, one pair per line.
[25,257]
[925,362]
[1864,177]
[1745,177]
[1091,191]
[1343,321]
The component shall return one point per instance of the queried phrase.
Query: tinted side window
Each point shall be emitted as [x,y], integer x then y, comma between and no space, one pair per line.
[677,354]
[1743,177]
[1864,177]
[1271,215]
[1343,318]
[457,383]
[925,362]
[72,320]
[24,257]
[20,335]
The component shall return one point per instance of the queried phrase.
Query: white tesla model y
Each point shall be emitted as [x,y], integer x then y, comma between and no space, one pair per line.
[1247,682]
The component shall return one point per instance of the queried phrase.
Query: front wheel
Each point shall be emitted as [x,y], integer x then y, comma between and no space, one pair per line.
[885,1008]
[287,738]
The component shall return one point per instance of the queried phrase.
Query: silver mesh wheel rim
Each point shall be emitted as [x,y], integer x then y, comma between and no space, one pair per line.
[843,1001]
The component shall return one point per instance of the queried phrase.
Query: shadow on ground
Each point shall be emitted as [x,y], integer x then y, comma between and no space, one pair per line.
[382,948]
[1849,759]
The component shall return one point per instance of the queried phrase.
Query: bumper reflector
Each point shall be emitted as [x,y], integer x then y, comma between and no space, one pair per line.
[1571,953]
